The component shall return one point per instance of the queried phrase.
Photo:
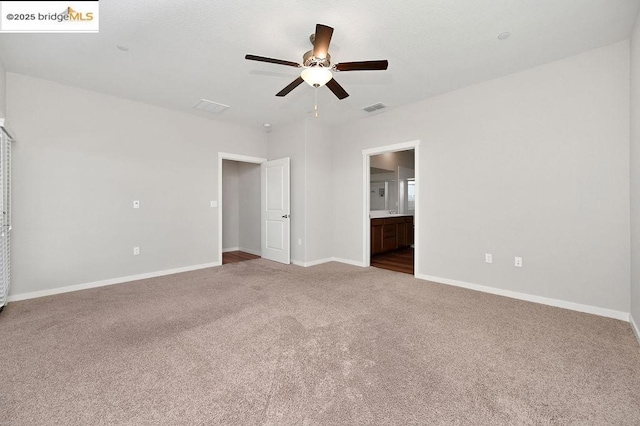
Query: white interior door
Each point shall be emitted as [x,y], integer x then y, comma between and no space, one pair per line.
[276,208]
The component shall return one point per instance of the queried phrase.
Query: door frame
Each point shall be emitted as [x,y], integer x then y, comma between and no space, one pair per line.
[366,180]
[231,157]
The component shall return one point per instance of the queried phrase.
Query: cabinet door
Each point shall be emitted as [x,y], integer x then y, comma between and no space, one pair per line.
[401,230]
[409,227]
[389,240]
[376,236]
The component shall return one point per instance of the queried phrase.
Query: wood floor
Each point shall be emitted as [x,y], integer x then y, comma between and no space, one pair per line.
[398,260]
[237,256]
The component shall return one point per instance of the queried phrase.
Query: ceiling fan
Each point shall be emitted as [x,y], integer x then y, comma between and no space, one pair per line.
[317,67]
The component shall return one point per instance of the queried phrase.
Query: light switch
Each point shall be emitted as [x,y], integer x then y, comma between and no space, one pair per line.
[214,204]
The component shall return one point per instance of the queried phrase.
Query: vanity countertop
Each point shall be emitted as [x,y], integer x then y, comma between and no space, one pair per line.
[377,214]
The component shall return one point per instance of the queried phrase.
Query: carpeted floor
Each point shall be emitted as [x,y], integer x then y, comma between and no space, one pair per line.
[257,342]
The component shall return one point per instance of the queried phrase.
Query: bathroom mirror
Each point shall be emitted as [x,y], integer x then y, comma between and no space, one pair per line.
[392,183]
[383,190]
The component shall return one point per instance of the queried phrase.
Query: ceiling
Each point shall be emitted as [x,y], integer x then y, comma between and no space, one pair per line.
[180,52]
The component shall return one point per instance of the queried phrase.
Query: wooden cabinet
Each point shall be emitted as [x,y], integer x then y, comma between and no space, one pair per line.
[376,235]
[391,233]
[401,233]
[409,227]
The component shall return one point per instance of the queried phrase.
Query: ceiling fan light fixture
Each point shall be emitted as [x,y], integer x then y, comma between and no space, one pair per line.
[317,69]
[316,76]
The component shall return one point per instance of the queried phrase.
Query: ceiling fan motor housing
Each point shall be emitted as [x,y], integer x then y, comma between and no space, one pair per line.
[308,60]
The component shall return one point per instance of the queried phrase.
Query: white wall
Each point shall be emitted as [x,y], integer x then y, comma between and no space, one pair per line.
[80,160]
[249,208]
[230,205]
[319,203]
[308,145]
[3,90]
[534,164]
[635,174]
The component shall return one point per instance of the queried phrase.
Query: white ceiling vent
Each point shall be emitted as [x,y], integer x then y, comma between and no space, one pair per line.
[210,106]
[374,107]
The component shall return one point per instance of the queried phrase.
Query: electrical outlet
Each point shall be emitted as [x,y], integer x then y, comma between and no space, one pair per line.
[488,257]
[214,204]
[136,251]
[518,262]
[136,204]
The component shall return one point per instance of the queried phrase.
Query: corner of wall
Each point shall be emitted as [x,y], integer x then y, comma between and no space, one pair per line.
[634,181]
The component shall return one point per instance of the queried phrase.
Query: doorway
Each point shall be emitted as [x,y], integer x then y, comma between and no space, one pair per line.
[390,207]
[239,223]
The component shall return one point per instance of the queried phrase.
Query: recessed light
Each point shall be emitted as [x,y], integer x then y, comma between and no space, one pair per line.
[123,48]
[503,36]
[266,125]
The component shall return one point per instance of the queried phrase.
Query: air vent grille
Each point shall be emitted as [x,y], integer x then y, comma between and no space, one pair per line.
[374,107]
[210,106]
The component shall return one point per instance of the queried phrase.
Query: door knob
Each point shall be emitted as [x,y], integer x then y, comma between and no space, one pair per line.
[286,216]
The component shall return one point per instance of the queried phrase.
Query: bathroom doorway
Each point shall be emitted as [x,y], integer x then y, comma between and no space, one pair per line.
[390,206]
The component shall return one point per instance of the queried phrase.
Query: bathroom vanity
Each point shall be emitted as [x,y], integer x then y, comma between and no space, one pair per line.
[391,233]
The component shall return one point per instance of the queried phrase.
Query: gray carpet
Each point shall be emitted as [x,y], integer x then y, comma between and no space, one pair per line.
[261,343]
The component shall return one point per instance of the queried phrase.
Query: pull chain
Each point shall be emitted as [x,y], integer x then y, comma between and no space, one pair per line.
[316,106]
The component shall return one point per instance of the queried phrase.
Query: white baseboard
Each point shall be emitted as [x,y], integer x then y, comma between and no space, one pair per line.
[312,263]
[250,251]
[609,313]
[328,259]
[318,262]
[102,283]
[634,328]
[246,250]
[349,262]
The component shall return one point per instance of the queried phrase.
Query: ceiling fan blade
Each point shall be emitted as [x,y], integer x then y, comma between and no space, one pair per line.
[295,83]
[321,41]
[363,66]
[337,89]
[272,61]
